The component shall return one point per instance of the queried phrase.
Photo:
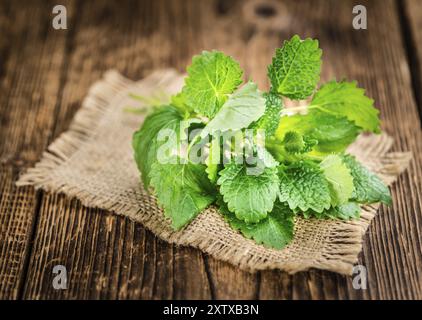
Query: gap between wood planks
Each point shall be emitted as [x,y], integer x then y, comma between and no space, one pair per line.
[410,45]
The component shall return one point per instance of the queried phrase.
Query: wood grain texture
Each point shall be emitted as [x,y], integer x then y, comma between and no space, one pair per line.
[411,13]
[31,57]
[110,257]
[16,225]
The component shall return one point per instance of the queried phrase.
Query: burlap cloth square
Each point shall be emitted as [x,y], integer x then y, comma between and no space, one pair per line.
[93,161]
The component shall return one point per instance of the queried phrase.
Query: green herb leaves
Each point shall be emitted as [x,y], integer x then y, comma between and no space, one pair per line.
[347,211]
[368,188]
[182,189]
[276,230]
[211,77]
[269,121]
[303,186]
[295,70]
[250,197]
[145,141]
[333,133]
[346,99]
[260,163]
[339,178]
[242,108]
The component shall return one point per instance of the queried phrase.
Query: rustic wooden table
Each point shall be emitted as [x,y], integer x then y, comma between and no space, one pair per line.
[45,73]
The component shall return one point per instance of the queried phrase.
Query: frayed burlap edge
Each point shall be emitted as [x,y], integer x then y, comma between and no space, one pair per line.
[343,241]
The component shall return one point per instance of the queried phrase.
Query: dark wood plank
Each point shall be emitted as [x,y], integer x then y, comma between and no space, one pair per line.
[31,60]
[16,224]
[5,30]
[411,11]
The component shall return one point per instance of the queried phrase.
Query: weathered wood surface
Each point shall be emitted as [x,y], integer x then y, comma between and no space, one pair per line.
[412,27]
[45,73]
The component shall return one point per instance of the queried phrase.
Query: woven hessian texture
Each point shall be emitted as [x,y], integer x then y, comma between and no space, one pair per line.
[93,161]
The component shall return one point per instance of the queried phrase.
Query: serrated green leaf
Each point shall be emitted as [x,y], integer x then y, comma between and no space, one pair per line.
[211,77]
[295,69]
[368,188]
[240,110]
[275,231]
[294,147]
[339,178]
[269,121]
[144,141]
[333,133]
[347,211]
[346,99]
[250,197]
[179,101]
[293,142]
[182,189]
[303,186]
